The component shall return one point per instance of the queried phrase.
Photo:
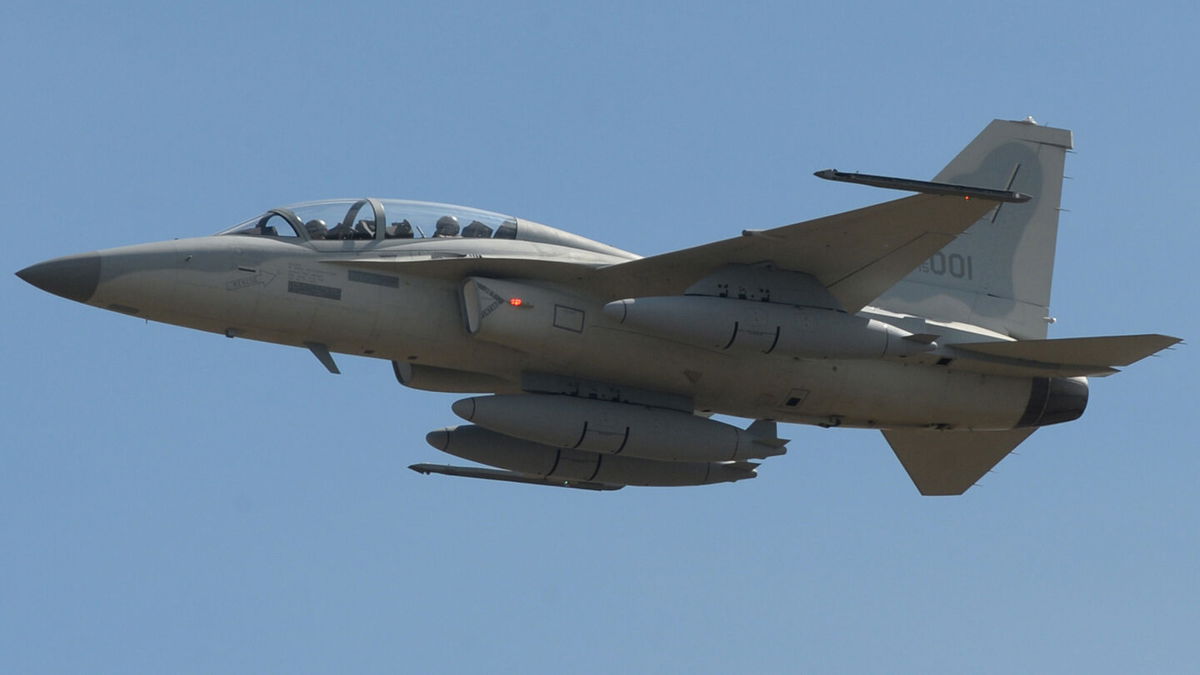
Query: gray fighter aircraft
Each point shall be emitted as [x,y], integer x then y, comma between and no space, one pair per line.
[924,317]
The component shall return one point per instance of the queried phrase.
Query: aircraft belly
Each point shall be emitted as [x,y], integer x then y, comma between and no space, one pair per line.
[885,394]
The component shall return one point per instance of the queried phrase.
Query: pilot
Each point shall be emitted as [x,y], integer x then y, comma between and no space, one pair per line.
[400,230]
[341,231]
[477,229]
[364,230]
[447,226]
[316,228]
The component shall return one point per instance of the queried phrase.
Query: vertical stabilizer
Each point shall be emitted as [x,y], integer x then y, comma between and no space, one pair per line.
[997,274]
[950,462]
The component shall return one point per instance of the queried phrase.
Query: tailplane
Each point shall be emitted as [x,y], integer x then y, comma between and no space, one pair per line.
[997,274]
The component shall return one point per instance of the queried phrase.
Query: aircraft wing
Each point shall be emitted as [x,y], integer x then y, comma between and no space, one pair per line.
[857,255]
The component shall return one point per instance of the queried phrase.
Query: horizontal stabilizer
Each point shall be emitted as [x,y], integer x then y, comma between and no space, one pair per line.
[949,462]
[1081,356]
[508,476]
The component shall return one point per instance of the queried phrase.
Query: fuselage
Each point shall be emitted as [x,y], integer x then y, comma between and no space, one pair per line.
[293,292]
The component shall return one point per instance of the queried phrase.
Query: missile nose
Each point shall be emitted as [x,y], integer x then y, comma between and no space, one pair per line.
[618,309]
[438,438]
[464,408]
[74,277]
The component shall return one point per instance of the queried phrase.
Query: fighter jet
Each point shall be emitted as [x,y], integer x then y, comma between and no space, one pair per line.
[924,317]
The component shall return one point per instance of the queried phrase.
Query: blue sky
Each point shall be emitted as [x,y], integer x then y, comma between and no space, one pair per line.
[153,522]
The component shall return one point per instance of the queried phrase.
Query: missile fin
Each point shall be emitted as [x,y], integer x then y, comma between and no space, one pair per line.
[766,432]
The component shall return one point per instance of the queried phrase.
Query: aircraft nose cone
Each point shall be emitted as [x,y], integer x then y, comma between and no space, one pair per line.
[74,277]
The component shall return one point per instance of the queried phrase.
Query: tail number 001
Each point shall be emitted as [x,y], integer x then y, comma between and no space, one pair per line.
[954,265]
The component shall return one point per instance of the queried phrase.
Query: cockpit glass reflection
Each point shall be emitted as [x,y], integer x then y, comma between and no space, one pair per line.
[377,219]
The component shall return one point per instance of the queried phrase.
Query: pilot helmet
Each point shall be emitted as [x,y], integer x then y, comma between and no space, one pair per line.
[447,226]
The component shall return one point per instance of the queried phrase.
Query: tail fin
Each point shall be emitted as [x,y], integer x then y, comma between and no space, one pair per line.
[949,462]
[997,274]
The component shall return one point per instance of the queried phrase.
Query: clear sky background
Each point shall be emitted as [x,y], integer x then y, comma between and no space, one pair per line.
[151,520]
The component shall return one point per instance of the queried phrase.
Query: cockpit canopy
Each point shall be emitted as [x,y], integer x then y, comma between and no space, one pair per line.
[397,220]
[367,219]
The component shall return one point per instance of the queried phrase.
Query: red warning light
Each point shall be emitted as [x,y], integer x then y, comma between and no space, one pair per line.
[967,197]
[516,302]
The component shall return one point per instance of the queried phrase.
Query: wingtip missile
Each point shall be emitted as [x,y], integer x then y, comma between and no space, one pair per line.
[508,477]
[927,187]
